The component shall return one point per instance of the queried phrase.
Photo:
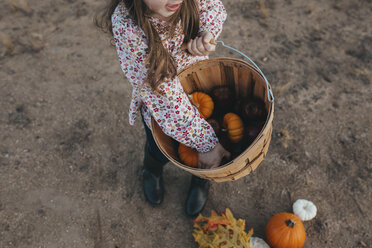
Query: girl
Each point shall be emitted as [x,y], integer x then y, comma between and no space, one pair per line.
[148,35]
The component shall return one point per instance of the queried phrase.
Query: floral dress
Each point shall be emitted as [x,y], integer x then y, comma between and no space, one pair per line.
[168,105]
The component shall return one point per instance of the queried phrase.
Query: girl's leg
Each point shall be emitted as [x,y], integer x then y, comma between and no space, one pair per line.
[153,163]
[152,148]
[197,196]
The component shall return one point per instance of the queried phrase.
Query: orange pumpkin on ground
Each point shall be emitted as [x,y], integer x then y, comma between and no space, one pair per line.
[203,102]
[234,127]
[285,230]
[188,155]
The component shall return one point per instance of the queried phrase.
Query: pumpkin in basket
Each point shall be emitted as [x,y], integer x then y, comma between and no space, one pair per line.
[285,230]
[234,127]
[188,155]
[203,102]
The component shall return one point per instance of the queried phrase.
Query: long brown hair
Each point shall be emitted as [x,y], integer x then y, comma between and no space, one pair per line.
[161,64]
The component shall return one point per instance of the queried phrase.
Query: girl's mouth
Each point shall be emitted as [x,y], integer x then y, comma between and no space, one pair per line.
[173,7]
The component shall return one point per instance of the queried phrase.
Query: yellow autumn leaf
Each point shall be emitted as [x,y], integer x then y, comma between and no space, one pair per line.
[221,231]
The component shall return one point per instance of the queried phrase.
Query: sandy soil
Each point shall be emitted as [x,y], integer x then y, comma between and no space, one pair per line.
[70,162]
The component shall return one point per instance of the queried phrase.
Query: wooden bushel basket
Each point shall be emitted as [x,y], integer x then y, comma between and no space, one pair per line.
[247,82]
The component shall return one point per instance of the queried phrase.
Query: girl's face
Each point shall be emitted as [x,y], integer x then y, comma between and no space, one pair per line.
[163,9]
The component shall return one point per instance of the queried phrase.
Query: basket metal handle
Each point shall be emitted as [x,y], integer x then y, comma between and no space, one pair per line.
[270,95]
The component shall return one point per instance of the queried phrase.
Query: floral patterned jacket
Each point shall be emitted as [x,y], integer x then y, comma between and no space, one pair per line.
[169,105]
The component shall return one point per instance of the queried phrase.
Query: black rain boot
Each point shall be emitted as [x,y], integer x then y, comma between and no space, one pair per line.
[152,179]
[197,196]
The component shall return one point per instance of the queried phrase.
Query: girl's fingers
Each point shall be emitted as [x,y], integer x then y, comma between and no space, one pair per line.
[227,155]
[201,165]
[209,47]
[205,48]
[189,45]
[200,45]
[207,37]
[195,47]
[215,165]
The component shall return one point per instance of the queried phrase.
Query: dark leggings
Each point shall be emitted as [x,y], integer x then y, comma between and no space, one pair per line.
[152,148]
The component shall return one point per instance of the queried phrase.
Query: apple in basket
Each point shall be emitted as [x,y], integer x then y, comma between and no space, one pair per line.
[215,125]
[251,109]
[223,98]
[252,131]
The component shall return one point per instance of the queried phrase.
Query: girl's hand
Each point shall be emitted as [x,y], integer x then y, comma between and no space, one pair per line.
[212,159]
[200,46]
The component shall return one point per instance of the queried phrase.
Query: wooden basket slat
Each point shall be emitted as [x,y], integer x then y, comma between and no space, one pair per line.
[236,81]
[267,103]
[198,84]
[246,169]
[209,75]
[164,142]
[236,176]
[244,83]
[259,89]
[222,75]
[190,84]
[229,74]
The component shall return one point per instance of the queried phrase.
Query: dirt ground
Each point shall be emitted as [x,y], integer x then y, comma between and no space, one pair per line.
[70,162]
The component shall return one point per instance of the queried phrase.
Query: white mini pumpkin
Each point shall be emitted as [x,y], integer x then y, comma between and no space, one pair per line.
[304,209]
[258,243]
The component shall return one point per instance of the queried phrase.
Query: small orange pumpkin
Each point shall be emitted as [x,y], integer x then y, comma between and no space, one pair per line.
[188,155]
[203,102]
[285,230]
[234,127]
